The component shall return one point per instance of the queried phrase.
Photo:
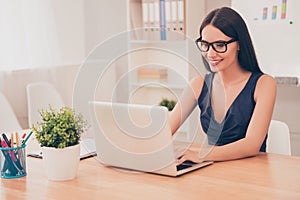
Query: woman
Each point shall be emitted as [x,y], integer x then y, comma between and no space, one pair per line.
[236,99]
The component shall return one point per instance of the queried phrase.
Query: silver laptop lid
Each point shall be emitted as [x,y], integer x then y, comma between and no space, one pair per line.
[132,136]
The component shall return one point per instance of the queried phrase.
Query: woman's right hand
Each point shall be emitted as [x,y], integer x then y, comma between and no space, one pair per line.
[190,155]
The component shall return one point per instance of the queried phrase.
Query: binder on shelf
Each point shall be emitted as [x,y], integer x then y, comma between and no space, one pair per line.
[162,20]
[174,14]
[146,19]
[145,11]
[171,14]
[152,19]
[168,12]
[157,20]
[181,15]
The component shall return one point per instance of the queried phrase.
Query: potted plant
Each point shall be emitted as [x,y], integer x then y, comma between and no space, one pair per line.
[58,134]
[170,104]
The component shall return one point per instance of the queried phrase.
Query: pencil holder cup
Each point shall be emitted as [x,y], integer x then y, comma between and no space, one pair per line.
[13,162]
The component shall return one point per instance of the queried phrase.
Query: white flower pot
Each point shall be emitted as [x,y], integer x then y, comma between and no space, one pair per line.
[61,164]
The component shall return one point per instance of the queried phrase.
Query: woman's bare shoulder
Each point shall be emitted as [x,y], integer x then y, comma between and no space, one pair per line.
[266,81]
[196,84]
[197,80]
[266,85]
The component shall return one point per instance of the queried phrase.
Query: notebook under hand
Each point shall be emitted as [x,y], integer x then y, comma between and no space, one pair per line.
[136,137]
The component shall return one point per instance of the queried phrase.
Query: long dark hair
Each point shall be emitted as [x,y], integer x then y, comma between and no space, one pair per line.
[232,24]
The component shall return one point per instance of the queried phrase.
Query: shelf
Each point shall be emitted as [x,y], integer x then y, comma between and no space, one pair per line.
[155,85]
[178,46]
[175,53]
[179,42]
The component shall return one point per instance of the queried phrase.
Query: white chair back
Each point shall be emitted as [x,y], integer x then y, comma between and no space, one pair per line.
[279,138]
[8,119]
[39,96]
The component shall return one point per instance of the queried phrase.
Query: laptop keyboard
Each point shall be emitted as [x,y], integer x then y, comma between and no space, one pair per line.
[184,165]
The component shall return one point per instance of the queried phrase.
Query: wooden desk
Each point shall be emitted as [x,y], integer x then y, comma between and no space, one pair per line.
[267,176]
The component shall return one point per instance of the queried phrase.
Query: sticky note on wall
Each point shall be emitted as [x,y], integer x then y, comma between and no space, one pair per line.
[265,13]
[283,9]
[274,12]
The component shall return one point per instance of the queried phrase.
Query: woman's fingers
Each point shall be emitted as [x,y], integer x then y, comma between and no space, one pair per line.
[181,160]
[191,156]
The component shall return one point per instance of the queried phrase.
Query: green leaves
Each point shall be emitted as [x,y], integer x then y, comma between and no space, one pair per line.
[170,104]
[59,129]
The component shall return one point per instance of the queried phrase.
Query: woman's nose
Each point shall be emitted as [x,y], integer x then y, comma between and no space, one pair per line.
[211,52]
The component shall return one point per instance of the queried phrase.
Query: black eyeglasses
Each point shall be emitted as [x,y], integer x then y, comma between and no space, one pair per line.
[218,46]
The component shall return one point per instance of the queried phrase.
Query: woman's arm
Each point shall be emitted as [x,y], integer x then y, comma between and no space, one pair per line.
[186,103]
[265,95]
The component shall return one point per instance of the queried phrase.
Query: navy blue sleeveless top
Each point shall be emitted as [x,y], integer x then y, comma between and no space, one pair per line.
[236,121]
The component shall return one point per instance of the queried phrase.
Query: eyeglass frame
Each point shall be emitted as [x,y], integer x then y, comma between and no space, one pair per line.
[211,44]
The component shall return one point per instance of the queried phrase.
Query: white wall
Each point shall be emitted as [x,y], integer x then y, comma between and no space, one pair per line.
[38,33]
[69,19]
[276,41]
[103,19]
[37,38]
[212,4]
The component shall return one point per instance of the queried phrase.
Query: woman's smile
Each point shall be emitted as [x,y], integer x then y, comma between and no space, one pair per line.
[214,62]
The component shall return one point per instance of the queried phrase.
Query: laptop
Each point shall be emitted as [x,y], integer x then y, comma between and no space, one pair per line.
[136,137]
